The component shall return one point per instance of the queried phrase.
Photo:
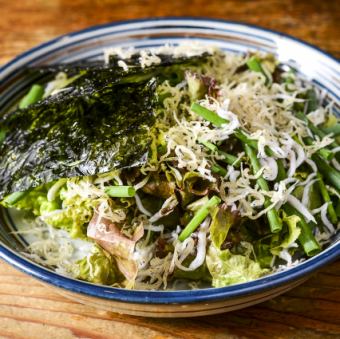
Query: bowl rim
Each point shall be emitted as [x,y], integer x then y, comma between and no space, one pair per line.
[271,281]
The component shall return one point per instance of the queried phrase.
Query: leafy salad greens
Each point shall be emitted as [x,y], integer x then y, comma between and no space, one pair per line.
[181,166]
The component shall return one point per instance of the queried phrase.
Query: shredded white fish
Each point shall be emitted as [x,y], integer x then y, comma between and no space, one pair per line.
[325,219]
[141,207]
[301,208]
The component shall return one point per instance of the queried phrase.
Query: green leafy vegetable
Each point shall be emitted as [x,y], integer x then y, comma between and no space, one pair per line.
[120,191]
[263,253]
[292,235]
[196,86]
[76,213]
[35,94]
[254,64]
[194,183]
[306,237]
[222,220]
[199,216]
[208,115]
[160,186]
[228,269]
[34,201]
[99,268]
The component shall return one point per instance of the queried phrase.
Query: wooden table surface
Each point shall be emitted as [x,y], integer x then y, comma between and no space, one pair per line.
[30,310]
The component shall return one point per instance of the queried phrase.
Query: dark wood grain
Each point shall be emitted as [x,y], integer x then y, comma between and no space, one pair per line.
[30,310]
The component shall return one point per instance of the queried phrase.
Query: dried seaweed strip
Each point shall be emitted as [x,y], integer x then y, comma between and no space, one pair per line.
[78,135]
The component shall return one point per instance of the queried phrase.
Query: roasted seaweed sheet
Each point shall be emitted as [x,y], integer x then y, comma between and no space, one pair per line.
[100,123]
[78,135]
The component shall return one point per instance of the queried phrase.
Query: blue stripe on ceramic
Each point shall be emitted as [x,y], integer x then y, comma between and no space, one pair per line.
[319,67]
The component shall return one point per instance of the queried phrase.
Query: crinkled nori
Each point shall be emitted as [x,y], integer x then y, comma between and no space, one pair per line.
[100,123]
[76,135]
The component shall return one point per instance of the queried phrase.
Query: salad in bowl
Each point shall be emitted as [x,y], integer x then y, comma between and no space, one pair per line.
[172,168]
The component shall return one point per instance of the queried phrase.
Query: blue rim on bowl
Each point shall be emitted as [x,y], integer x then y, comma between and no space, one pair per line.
[204,30]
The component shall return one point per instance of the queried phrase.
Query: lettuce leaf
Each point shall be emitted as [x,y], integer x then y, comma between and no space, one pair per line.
[228,269]
[99,268]
[71,220]
[292,234]
[222,220]
[75,214]
[69,212]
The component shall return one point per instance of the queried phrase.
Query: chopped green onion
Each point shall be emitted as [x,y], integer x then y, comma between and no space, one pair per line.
[315,130]
[208,115]
[324,152]
[232,160]
[239,134]
[254,64]
[2,135]
[218,121]
[306,237]
[302,116]
[330,173]
[120,191]
[13,198]
[218,170]
[335,129]
[228,158]
[209,145]
[312,101]
[35,94]
[198,218]
[326,198]
[253,143]
[272,215]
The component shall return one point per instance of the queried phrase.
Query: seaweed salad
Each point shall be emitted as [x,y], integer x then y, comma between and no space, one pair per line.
[169,168]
